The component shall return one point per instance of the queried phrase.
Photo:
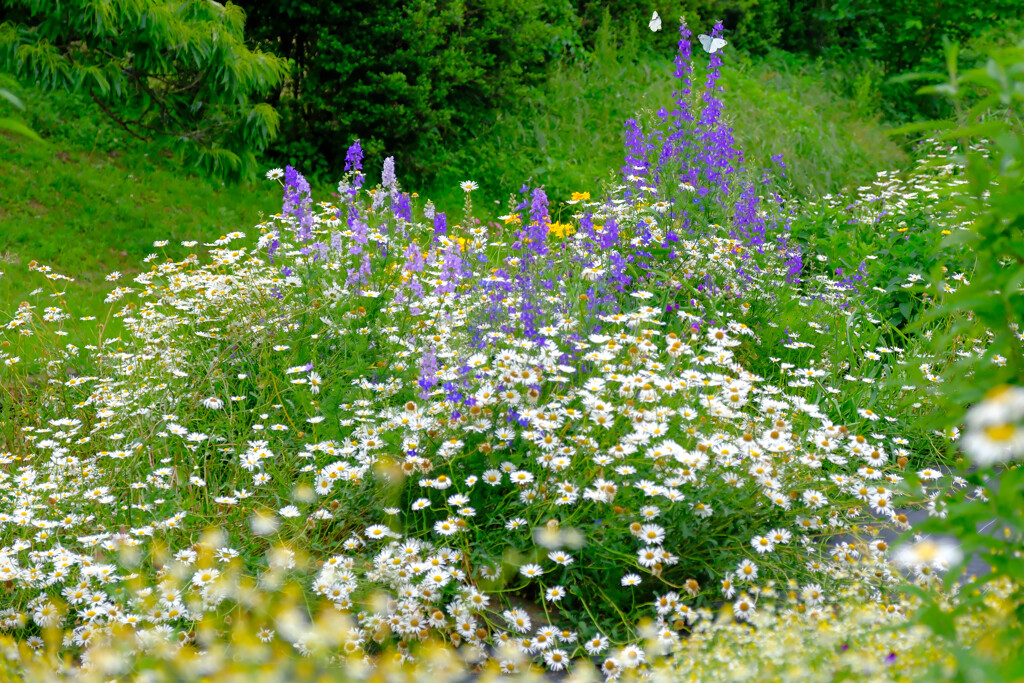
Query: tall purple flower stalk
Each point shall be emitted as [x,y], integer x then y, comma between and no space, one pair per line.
[680,118]
[718,148]
[414,264]
[428,373]
[636,168]
[298,202]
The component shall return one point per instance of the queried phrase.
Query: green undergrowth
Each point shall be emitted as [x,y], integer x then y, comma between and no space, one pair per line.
[568,134]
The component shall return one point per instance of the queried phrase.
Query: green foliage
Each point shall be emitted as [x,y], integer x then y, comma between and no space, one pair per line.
[991,140]
[174,71]
[400,76]
[568,135]
[785,104]
[989,385]
[899,33]
[897,36]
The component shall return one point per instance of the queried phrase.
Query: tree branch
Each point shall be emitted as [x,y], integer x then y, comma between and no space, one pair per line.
[115,119]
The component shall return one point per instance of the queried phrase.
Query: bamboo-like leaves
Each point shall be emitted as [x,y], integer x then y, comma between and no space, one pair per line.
[172,69]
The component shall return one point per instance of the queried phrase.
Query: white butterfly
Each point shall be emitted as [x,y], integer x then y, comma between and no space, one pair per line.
[712,45]
[655,22]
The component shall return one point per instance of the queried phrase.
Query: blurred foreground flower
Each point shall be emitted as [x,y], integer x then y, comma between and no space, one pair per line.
[937,554]
[994,430]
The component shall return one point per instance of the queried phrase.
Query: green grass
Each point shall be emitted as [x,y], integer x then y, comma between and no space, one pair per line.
[87,207]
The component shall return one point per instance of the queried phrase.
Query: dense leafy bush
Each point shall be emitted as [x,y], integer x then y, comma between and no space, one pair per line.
[402,76]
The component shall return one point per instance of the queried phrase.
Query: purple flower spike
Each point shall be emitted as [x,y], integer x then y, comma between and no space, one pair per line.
[297,202]
[354,157]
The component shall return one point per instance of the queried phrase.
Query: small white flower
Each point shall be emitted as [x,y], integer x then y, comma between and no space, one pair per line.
[531,571]
[468,186]
[204,576]
[868,414]
[275,173]
[743,608]
[213,403]
[554,594]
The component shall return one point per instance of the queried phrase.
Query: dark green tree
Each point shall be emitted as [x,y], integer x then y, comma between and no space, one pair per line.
[412,78]
[168,71]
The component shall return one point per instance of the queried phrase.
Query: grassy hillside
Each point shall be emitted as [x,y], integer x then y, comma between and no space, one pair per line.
[87,203]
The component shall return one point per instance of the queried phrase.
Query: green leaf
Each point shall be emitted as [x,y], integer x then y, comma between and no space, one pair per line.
[12,98]
[921,126]
[905,310]
[15,126]
[917,76]
[987,129]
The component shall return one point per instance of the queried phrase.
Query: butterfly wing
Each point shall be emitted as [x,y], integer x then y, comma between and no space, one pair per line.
[655,22]
[711,45]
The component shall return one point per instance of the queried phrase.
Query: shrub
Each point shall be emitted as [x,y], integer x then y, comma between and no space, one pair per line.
[402,77]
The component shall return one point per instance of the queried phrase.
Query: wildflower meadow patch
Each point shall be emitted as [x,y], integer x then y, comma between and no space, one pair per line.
[654,425]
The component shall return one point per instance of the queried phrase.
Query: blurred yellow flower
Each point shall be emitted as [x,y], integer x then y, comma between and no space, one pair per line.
[580,196]
[560,230]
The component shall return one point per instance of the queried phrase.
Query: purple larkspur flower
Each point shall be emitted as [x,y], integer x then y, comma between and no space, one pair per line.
[297,202]
[388,179]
